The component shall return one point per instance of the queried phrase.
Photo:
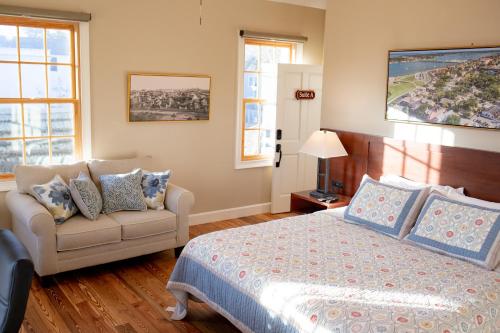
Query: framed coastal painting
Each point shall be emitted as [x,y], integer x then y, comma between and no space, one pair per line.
[458,87]
[168,97]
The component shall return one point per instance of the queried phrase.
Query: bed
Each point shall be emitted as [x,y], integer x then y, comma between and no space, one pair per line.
[316,273]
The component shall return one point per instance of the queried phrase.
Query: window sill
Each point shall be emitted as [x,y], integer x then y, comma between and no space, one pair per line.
[8,185]
[253,164]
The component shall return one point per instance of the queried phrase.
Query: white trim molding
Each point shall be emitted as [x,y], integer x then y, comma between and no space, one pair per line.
[85,90]
[320,4]
[230,213]
[8,185]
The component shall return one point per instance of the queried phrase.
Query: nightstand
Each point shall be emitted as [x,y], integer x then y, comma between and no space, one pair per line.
[304,202]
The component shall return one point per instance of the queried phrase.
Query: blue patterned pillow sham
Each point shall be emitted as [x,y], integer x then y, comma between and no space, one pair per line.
[154,187]
[388,209]
[122,192]
[86,196]
[56,197]
[458,229]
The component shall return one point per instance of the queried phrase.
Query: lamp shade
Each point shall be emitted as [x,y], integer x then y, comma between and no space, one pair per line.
[323,144]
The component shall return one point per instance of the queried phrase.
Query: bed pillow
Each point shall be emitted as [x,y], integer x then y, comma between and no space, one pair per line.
[122,192]
[56,197]
[458,229]
[154,187]
[385,208]
[86,196]
[404,182]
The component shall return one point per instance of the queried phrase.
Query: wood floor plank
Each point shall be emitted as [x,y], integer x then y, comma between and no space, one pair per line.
[128,296]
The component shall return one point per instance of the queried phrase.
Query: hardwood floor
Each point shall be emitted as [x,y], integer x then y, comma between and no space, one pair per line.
[124,297]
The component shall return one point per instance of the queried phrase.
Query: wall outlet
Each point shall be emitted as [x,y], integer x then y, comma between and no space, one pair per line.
[337,184]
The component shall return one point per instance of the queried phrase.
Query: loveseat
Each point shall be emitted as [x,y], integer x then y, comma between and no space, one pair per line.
[79,242]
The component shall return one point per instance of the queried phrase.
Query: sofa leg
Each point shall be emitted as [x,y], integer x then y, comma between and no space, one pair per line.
[178,251]
[46,281]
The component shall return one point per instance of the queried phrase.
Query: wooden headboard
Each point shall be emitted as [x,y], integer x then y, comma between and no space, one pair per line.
[476,170]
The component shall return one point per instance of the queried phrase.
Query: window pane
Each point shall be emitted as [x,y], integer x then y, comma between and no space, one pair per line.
[10,121]
[37,151]
[283,55]
[268,88]
[63,151]
[252,115]
[58,46]
[9,81]
[250,85]
[31,44]
[267,142]
[267,61]
[62,119]
[36,120]
[60,81]
[33,80]
[251,57]
[8,42]
[11,154]
[268,116]
[251,143]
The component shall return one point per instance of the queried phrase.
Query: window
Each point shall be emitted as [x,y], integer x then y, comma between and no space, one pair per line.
[39,93]
[258,109]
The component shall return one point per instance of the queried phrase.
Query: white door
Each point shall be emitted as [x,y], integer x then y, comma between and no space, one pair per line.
[297,120]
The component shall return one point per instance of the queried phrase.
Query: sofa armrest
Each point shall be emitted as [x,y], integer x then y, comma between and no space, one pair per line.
[25,209]
[180,201]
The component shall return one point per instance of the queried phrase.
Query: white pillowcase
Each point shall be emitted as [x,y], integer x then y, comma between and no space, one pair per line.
[407,183]
[474,201]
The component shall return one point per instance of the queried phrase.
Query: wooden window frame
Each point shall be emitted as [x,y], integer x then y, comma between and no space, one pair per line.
[75,81]
[249,41]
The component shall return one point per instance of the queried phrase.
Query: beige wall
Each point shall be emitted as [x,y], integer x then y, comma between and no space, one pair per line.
[358,35]
[165,36]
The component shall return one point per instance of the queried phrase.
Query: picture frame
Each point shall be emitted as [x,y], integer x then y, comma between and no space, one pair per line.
[450,86]
[168,97]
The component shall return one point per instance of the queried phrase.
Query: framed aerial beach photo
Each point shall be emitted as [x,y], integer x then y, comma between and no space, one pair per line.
[168,97]
[458,87]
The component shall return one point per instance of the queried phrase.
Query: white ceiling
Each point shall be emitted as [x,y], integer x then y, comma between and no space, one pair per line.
[321,4]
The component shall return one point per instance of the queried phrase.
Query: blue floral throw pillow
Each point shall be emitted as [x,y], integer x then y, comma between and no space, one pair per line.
[56,197]
[122,192]
[466,231]
[154,187]
[388,209]
[86,196]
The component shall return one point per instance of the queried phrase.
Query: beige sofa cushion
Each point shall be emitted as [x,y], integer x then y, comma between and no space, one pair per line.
[29,175]
[144,224]
[79,232]
[107,167]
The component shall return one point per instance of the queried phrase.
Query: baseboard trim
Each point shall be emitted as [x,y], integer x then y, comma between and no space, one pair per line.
[230,213]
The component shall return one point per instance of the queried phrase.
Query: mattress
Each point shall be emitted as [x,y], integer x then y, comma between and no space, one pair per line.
[316,273]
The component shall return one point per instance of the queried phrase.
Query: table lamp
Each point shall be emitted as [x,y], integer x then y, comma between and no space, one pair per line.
[323,145]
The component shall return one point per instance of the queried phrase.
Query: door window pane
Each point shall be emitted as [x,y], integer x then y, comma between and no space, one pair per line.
[8,42]
[36,119]
[59,81]
[251,142]
[37,151]
[63,150]
[58,46]
[252,115]
[31,44]
[283,55]
[268,116]
[250,85]
[62,119]
[10,121]
[251,57]
[11,154]
[9,81]
[33,80]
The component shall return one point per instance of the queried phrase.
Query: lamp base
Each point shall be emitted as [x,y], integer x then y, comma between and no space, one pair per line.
[321,195]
